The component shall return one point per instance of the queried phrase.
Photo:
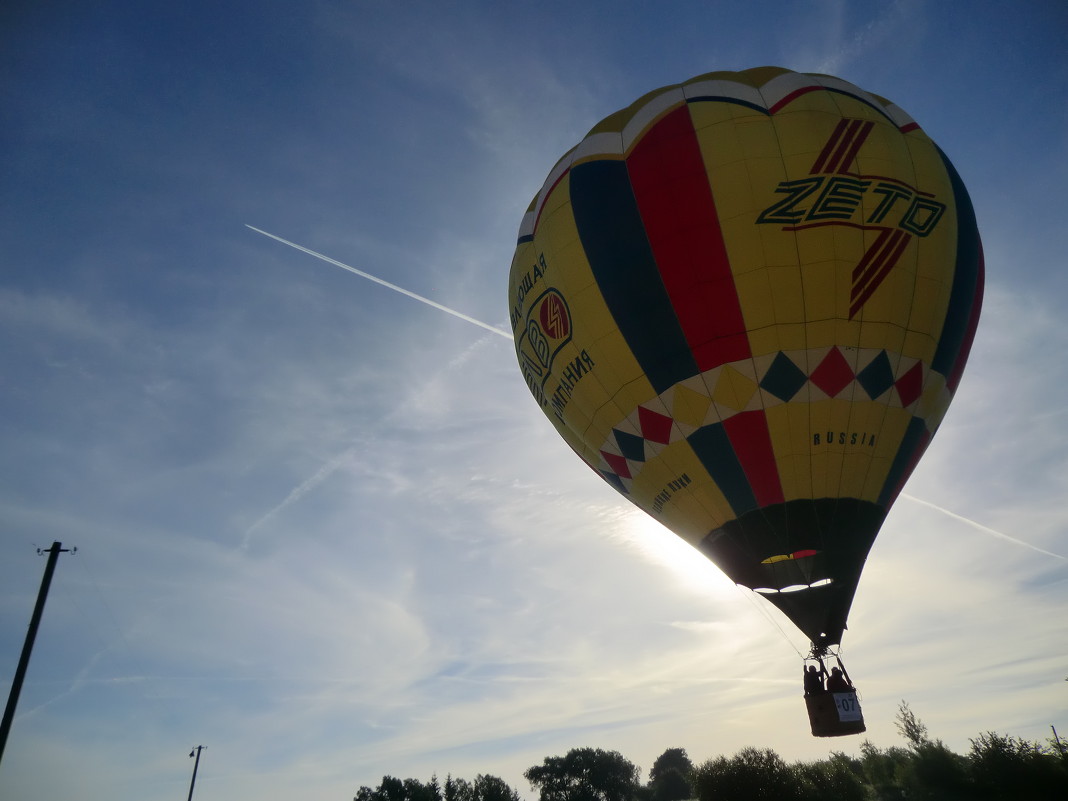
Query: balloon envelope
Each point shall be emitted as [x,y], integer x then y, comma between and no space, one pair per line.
[746,302]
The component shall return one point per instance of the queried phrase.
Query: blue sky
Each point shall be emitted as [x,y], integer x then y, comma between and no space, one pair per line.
[324,530]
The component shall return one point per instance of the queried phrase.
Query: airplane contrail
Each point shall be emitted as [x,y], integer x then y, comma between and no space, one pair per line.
[387,284]
[330,467]
[299,491]
[981,527]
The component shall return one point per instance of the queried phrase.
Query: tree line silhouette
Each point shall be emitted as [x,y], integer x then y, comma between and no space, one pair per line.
[997,767]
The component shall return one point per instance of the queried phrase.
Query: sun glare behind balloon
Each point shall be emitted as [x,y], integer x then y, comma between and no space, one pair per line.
[664,548]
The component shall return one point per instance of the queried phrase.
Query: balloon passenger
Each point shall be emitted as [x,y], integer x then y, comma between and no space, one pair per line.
[813,681]
[836,682]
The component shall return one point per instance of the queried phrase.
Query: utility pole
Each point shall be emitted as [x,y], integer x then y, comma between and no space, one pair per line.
[196,764]
[27,648]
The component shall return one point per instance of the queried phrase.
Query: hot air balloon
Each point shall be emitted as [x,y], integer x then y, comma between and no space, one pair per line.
[746,301]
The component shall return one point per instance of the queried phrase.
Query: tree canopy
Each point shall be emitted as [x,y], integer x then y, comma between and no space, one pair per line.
[670,776]
[998,767]
[483,788]
[585,774]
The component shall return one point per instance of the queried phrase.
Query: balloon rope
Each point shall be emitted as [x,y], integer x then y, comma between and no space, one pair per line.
[767,616]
